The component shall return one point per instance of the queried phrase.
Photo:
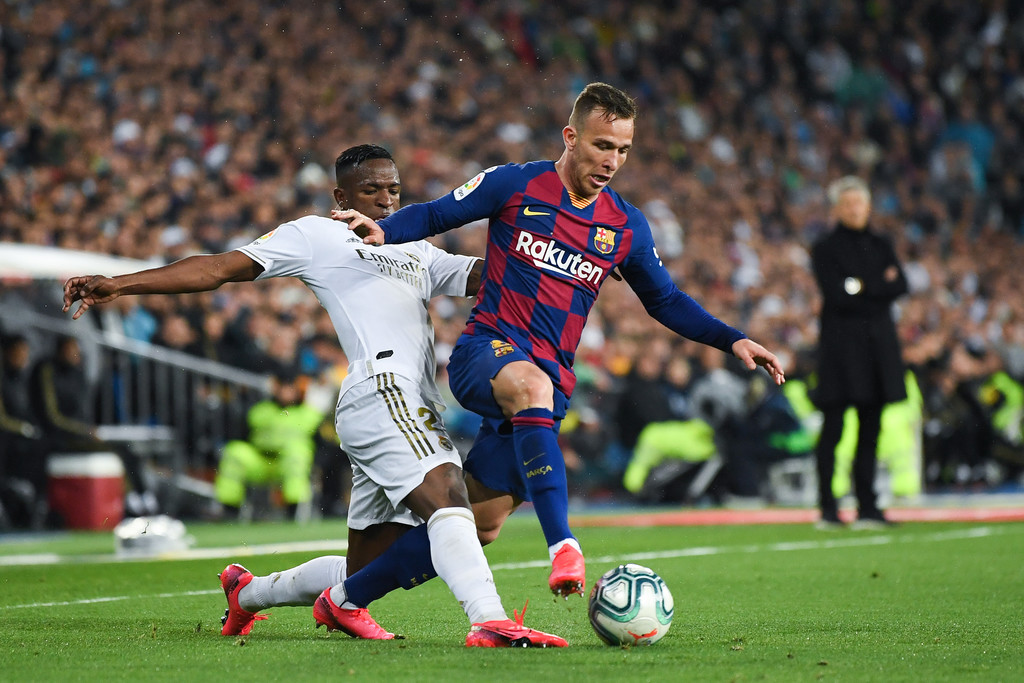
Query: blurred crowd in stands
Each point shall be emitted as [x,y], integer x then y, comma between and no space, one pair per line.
[163,128]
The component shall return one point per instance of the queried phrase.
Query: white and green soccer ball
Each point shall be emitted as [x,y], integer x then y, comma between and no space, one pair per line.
[630,605]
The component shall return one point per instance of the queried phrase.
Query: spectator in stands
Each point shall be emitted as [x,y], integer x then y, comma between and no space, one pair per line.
[668,441]
[769,431]
[278,450]
[178,334]
[643,398]
[960,437]
[62,398]
[781,97]
[22,451]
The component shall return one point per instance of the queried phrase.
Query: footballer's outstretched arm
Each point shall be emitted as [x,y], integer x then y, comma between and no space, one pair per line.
[676,310]
[478,199]
[199,273]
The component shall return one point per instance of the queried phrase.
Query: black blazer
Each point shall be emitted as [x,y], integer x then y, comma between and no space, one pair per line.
[859,357]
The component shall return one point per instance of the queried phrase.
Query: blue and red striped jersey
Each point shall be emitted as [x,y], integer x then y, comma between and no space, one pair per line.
[548,252]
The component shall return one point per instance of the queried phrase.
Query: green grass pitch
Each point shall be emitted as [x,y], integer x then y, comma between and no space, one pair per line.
[920,602]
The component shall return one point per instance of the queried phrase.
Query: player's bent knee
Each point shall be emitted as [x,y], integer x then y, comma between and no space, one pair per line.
[520,386]
[442,487]
[488,534]
[489,520]
[365,545]
[490,508]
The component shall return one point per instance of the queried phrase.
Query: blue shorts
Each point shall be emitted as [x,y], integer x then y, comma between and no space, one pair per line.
[492,460]
[474,362]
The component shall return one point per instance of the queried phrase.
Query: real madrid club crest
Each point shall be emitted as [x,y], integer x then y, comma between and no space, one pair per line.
[604,240]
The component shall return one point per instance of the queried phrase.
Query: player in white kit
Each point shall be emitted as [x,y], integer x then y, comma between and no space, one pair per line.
[406,471]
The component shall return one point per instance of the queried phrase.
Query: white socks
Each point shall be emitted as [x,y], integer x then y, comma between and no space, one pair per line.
[558,546]
[340,598]
[460,562]
[298,586]
[454,549]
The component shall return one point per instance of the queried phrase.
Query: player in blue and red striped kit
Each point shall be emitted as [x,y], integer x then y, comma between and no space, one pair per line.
[556,232]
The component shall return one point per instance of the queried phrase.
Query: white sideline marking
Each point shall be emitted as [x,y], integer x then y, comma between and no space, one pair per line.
[190,554]
[977,532]
[113,598]
[207,553]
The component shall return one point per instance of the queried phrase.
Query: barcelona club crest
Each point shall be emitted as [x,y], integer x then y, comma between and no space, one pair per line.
[501,348]
[604,240]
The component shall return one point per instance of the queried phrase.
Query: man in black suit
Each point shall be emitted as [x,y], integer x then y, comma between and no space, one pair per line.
[859,358]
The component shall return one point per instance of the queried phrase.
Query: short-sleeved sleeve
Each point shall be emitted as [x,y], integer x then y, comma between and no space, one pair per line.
[448,272]
[283,252]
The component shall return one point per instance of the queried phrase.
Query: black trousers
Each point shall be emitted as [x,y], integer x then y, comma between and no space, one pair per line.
[865,461]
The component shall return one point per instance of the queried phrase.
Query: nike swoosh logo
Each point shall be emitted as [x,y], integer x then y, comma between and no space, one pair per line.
[530,212]
[526,463]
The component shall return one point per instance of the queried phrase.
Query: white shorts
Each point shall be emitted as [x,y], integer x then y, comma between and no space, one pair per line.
[393,435]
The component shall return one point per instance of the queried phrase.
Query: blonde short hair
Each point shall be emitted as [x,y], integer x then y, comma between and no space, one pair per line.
[845,184]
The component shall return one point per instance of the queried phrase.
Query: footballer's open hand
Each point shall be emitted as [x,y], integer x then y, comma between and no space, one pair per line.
[753,354]
[90,290]
[361,225]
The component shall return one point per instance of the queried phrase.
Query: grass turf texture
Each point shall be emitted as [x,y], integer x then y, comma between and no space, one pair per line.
[921,602]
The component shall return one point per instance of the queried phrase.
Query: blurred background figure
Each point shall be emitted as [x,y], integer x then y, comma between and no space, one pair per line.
[859,357]
[278,451]
[62,398]
[106,151]
[47,409]
[22,452]
[657,423]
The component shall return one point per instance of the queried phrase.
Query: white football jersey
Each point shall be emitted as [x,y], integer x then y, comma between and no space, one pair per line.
[376,296]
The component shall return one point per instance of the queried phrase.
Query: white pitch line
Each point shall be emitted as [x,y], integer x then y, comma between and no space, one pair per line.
[976,532]
[188,554]
[786,546]
[113,598]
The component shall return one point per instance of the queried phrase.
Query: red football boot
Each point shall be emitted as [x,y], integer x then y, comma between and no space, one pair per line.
[237,621]
[509,633]
[356,622]
[568,572]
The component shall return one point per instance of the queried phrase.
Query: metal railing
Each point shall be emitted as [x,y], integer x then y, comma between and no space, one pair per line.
[139,384]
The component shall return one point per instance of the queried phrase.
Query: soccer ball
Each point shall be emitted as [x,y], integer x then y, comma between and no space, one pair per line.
[630,605]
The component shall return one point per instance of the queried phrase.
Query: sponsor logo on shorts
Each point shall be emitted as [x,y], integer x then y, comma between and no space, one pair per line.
[501,348]
[526,463]
[415,581]
[538,472]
